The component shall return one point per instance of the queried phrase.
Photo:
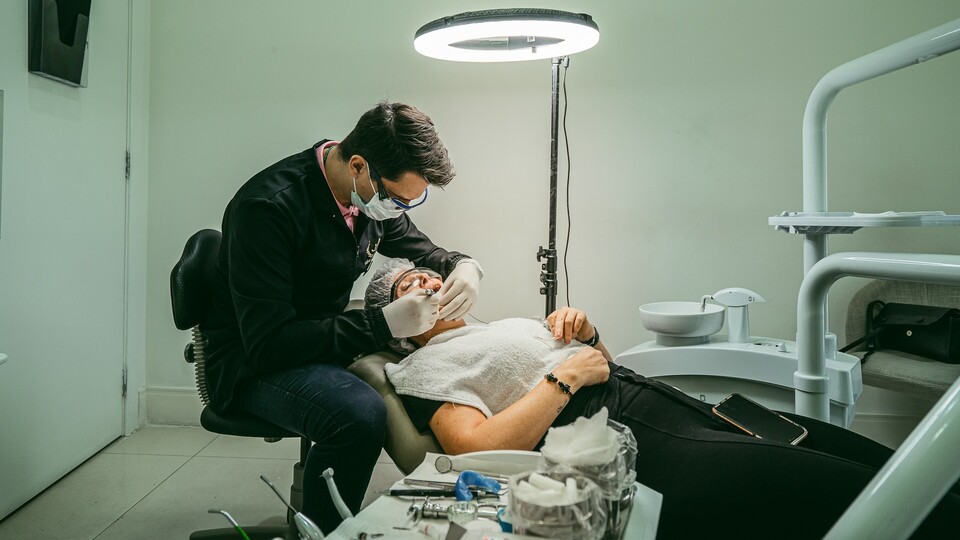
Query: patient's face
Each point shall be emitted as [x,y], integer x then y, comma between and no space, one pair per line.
[418,278]
[412,281]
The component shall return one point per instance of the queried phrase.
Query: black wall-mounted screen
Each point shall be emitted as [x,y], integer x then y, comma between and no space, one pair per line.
[58,38]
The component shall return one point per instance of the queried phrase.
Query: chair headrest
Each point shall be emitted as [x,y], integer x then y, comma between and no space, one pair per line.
[190,279]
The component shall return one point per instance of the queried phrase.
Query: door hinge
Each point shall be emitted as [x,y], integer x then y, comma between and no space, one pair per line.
[126,171]
[123,384]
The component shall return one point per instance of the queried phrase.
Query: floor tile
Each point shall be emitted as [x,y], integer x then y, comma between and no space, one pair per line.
[179,506]
[249,447]
[163,440]
[86,501]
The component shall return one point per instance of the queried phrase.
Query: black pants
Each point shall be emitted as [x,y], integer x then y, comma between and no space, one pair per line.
[341,414]
[719,482]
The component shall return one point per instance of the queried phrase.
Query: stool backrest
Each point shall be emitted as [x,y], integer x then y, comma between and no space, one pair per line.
[190,290]
[190,293]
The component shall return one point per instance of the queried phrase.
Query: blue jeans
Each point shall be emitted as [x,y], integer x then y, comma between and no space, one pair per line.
[344,417]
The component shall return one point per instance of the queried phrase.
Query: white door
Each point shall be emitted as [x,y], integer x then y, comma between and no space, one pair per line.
[61,256]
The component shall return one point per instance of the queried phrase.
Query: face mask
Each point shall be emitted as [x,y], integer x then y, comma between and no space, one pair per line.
[377,209]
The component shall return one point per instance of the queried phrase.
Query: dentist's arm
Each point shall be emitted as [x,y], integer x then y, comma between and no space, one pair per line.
[461,428]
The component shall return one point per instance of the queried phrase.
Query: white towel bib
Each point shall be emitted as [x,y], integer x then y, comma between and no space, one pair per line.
[488,367]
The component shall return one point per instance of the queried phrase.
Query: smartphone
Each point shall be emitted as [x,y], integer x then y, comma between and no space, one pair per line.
[757,420]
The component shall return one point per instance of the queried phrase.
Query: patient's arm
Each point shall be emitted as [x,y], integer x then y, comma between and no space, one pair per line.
[461,428]
[603,350]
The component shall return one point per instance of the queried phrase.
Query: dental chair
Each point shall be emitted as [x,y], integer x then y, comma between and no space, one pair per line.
[404,444]
[190,297]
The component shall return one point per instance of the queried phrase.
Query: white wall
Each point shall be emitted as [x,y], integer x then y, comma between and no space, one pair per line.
[136,224]
[684,127]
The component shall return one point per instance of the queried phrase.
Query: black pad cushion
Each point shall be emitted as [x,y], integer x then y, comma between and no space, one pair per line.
[189,280]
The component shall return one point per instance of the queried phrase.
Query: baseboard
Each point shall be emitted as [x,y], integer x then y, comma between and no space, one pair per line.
[170,406]
[141,406]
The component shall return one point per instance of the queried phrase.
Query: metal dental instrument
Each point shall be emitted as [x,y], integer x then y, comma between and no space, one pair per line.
[419,492]
[444,464]
[415,514]
[305,527]
[231,520]
[442,493]
[415,284]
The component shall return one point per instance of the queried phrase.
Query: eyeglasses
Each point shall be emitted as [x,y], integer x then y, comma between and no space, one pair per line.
[419,273]
[382,192]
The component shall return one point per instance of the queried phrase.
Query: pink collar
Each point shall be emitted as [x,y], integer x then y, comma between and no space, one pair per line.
[348,212]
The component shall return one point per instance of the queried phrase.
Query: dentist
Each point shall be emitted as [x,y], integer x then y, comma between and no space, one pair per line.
[295,238]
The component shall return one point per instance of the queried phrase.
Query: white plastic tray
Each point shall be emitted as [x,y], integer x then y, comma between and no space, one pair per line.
[849,222]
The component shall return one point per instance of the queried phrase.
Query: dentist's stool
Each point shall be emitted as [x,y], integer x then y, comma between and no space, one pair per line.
[190,297]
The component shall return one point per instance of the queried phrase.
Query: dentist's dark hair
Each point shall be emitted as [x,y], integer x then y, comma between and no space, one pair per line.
[397,138]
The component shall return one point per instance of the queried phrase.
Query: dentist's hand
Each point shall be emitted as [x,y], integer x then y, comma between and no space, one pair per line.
[412,314]
[460,290]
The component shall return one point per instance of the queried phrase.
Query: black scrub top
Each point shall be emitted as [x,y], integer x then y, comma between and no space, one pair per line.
[287,265]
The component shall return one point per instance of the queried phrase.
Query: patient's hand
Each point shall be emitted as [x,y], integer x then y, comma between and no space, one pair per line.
[585,368]
[569,323]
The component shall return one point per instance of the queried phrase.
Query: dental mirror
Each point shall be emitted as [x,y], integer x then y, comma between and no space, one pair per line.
[443,464]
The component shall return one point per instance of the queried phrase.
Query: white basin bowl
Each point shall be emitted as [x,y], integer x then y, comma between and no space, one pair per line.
[681,319]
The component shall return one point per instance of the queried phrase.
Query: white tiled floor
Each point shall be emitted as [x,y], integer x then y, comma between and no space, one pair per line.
[160,482]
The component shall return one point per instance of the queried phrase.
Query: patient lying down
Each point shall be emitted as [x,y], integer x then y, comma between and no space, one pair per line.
[503,385]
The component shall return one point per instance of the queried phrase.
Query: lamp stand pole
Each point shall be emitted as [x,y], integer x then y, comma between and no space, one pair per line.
[548,256]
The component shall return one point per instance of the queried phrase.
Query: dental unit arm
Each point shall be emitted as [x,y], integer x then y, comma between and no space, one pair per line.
[920,48]
[926,464]
[737,299]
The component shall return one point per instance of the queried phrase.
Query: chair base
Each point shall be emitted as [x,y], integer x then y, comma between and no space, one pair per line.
[287,531]
[259,532]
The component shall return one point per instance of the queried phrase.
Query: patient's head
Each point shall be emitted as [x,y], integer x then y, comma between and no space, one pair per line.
[396,278]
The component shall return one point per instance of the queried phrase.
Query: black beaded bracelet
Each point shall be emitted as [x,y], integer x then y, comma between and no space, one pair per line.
[564,387]
[594,340]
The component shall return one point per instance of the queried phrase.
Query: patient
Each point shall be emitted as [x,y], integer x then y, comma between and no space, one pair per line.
[502,385]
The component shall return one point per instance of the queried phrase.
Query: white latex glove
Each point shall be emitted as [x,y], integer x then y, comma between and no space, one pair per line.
[460,290]
[412,314]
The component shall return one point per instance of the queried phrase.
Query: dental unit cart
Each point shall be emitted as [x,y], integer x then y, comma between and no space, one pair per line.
[824,383]
[926,464]
[389,516]
[688,355]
